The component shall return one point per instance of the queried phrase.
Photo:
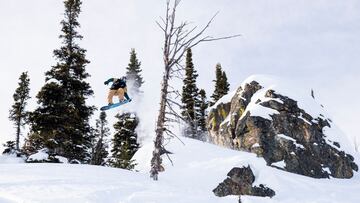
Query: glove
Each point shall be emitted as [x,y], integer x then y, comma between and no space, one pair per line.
[106,82]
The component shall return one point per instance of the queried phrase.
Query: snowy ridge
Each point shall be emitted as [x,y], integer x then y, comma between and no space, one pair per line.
[295,90]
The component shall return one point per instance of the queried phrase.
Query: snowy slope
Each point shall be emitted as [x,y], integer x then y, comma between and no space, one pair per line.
[198,168]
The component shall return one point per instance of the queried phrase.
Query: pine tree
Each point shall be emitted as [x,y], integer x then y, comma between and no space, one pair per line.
[133,73]
[99,151]
[217,92]
[224,84]
[18,114]
[190,96]
[201,110]
[61,122]
[221,84]
[125,141]
[10,148]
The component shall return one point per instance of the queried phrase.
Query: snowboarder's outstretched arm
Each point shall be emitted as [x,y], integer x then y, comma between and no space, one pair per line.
[109,80]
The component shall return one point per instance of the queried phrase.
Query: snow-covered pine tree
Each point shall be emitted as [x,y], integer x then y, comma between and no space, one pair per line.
[221,84]
[61,122]
[10,148]
[124,143]
[217,91]
[189,97]
[224,84]
[133,73]
[18,113]
[99,151]
[201,107]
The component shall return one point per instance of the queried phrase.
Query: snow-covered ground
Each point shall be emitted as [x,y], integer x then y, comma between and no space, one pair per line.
[198,168]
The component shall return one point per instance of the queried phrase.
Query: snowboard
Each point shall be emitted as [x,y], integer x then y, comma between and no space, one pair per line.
[107,107]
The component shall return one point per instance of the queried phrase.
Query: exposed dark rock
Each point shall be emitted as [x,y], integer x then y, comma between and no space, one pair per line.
[239,182]
[291,135]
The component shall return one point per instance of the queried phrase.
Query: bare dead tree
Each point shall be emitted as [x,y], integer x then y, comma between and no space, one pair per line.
[177,39]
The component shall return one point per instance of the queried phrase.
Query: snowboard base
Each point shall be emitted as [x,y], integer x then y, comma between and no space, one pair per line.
[107,107]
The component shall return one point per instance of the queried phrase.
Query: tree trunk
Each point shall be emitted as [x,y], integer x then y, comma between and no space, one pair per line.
[18,130]
[159,139]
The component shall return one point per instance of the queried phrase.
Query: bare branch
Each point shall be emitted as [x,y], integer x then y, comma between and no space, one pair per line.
[163,29]
[210,39]
[163,21]
[176,115]
[174,102]
[172,163]
[173,134]
[169,119]
[176,93]
[178,68]
[173,112]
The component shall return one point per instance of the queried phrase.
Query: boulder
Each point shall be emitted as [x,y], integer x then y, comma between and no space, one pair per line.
[239,182]
[261,120]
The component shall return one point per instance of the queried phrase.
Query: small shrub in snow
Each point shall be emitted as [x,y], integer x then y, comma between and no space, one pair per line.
[10,149]
[43,156]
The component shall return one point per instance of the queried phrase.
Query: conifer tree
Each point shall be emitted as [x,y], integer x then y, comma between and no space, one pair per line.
[10,148]
[190,96]
[221,84]
[61,122]
[125,141]
[224,84]
[99,151]
[133,73]
[218,75]
[18,113]
[201,110]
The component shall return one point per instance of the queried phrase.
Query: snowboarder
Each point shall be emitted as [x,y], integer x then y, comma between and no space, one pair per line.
[118,88]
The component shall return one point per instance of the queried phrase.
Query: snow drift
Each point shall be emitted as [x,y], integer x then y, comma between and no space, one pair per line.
[198,168]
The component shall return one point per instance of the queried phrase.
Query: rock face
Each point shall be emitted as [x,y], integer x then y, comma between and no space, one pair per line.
[273,126]
[239,182]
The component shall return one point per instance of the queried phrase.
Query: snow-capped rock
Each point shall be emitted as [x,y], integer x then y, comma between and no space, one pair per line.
[280,121]
[240,182]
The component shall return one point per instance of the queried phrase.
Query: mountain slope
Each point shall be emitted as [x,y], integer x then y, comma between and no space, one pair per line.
[198,168]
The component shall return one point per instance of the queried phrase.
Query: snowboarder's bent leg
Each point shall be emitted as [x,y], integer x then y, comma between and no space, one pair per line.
[110,96]
[120,93]
[126,94]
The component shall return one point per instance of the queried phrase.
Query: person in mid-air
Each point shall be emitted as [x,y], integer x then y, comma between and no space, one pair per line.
[118,88]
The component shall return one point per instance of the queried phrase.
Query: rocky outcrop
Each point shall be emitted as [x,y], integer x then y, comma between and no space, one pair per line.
[273,126]
[239,182]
